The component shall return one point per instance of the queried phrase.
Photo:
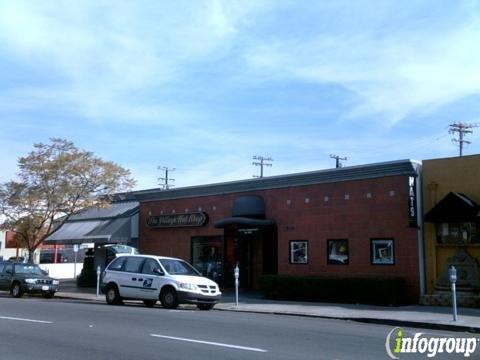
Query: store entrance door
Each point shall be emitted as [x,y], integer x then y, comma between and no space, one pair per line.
[243,248]
[243,255]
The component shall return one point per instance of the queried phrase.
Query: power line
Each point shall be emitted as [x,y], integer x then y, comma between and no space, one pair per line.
[462,129]
[165,180]
[262,161]
[337,158]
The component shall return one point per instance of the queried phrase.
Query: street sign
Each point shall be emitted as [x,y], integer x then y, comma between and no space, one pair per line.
[75,248]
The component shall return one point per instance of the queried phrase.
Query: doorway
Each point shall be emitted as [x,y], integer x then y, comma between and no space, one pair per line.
[255,252]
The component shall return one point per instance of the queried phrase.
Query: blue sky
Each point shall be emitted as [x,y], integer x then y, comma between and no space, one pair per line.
[202,86]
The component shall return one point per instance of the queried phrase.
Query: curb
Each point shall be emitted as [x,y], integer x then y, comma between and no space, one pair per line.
[392,322]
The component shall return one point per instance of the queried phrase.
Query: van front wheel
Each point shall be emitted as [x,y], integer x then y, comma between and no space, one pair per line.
[112,296]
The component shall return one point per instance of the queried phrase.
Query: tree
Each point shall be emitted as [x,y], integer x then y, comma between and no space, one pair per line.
[56,180]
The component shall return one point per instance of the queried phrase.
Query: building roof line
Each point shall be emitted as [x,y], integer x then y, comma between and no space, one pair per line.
[358,172]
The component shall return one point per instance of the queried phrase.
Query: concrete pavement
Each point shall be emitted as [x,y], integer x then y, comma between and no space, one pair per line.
[418,316]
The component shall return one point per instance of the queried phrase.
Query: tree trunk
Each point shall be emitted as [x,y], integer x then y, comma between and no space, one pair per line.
[31,255]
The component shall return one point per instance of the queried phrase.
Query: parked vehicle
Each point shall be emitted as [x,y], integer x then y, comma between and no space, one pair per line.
[20,278]
[152,278]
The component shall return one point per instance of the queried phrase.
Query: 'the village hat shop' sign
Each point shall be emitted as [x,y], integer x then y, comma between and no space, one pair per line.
[178,220]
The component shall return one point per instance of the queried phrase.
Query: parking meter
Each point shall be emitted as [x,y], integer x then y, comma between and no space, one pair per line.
[98,279]
[236,272]
[452,272]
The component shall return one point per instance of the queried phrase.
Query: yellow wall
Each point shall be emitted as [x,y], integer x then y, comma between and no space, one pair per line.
[441,176]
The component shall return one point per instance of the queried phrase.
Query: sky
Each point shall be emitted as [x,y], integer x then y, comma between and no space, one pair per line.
[202,86]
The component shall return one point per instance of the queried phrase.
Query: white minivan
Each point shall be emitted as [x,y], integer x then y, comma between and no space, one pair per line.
[151,278]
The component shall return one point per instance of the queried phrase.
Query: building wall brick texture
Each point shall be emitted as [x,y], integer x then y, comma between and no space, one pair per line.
[327,214]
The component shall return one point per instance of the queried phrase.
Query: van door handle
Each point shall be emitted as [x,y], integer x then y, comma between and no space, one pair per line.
[134,279]
[140,279]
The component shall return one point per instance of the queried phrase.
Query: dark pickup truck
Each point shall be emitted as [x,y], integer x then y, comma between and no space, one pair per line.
[20,278]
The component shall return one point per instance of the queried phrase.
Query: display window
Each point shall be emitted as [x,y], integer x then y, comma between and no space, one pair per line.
[337,252]
[299,252]
[382,252]
[208,256]
[458,233]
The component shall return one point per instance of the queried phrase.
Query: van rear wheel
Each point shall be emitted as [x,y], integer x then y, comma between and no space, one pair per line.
[169,298]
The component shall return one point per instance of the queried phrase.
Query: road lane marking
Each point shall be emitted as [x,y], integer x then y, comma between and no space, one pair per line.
[27,320]
[210,343]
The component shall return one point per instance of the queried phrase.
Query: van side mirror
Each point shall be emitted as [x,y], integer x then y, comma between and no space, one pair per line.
[158,271]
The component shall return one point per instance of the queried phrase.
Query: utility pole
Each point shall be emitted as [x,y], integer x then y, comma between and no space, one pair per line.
[462,129]
[337,158]
[165,179]
[262,161]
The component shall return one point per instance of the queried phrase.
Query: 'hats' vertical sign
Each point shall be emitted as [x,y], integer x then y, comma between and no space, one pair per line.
[412,202]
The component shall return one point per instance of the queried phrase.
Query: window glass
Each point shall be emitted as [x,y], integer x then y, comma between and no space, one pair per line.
[149,266]
[178,267]
[207,256]
[337,251]
[299,252]
[382,251]
[9,267]
[132,264]
[116,265]
[458,233]
[1,267]
[28,269]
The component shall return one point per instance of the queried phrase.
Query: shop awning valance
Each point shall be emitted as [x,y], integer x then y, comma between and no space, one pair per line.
[455,207]
[243,222]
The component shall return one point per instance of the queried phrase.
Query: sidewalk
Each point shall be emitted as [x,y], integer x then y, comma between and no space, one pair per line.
[428,317]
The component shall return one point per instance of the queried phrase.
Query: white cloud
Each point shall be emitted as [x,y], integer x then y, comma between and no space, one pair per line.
[394,72]
[103,54]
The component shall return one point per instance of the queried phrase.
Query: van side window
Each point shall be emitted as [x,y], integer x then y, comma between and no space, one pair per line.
[1,267]
[132,264]
[116,265]
[149,266]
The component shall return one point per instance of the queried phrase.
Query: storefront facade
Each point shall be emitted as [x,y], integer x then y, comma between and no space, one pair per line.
[353,220]
[452,223]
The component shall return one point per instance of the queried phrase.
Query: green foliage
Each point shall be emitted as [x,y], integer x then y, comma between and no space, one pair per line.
[379,290]
[55,181]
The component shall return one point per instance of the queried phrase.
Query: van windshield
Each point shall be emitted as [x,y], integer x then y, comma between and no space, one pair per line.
[178,267]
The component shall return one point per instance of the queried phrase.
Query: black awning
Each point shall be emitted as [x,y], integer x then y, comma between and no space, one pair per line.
[243,222]
[92,231]
[455,207]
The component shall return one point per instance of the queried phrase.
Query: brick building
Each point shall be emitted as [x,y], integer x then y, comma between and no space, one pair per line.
[352,220]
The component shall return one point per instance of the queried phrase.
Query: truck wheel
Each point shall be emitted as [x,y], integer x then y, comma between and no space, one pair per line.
[16,290]
[112,296]
[169,299]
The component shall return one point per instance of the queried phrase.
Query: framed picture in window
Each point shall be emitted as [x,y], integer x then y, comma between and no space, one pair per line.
[299,252]
[382,252]
[337,251]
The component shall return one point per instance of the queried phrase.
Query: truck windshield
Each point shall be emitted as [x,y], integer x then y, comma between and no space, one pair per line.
[178,267]
[28,269]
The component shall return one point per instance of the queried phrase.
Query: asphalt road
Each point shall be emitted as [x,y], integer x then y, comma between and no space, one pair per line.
[37,328]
